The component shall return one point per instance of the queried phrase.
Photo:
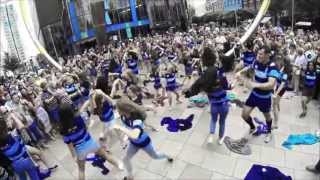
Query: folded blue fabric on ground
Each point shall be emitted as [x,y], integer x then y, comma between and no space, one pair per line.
[258,172]
[175,125]
[306,139]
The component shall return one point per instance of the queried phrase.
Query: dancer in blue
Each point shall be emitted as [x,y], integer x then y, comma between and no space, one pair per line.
[16,151]
[265,78]
[171,84]
[132,62]
[280,89]
[101,104]
[214,83]
[310,78]
[78,139]
[133,117]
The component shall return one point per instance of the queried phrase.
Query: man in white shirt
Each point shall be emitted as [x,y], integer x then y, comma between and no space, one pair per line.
[300,62]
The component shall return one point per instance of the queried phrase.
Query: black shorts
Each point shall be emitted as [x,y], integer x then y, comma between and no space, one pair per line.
[308,92]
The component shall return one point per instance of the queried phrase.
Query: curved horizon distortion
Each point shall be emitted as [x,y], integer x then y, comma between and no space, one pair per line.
[262,11]
[25,17]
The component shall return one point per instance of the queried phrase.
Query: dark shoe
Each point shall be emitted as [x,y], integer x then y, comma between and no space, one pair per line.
[170,160]
[312,169]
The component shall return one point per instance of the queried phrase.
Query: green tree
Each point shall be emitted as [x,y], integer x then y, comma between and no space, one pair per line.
[11,63]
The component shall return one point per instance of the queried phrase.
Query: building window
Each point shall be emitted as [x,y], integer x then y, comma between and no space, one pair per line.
[120,11]
[141,9]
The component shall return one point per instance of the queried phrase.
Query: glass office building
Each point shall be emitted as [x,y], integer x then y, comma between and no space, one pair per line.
[120,17]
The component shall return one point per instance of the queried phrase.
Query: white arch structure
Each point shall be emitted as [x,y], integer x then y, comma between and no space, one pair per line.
[263,10]
[23,4]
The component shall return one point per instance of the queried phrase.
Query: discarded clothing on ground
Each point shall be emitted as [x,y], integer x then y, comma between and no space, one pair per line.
[175,125]
[262,128]
[232,97]
[98,161]
[306,139]
[258,172]
[198,102]
[238,146]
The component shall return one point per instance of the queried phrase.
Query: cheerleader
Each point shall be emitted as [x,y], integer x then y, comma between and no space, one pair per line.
[102,105]
[132,62]
[280,89]
[215,84]
[171,84]
[73,90]
[310,77]
[133,117]
[78,139]
[159,97]
[16,151]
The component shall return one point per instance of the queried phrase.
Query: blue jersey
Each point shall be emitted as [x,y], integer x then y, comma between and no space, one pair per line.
[78,134]
[157,82]
[171,80]
[107,112]
[71,90]
[219,95]
[283,77]
[172,56]
[310,78]
[105,66]
[133,65]
[248,58]
[14,149]
[262,72]
[145,56]
[143,140]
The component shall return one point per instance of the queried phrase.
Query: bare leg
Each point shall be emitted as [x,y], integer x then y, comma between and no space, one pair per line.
[110,158]
[81,169]
[36,152]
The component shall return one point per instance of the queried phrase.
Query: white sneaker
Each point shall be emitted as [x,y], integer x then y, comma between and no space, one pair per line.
[268,138]
[210,139]
[220,141]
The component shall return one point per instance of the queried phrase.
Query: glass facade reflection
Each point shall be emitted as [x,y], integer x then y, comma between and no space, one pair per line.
[118,15]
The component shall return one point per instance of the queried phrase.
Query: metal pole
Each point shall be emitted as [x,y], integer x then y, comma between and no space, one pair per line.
[236,16]
[292,18]
[51,38]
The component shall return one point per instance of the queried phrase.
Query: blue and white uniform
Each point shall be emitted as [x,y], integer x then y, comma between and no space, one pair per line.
[171,84]
[51,105]
[172,57]
[143,140]
[219,103]
[107,116]
[283,77]
[262,98]
[248,58]
[81,139]
[188,67]
[133,65]
[72,91]
[310,78]
[15,150]
[157,81]
[105,66]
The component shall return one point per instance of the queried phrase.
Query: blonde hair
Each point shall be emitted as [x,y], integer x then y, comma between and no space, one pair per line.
[132,77]
[132,109]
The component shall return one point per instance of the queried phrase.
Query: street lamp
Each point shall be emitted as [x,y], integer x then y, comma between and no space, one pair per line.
[292,18]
